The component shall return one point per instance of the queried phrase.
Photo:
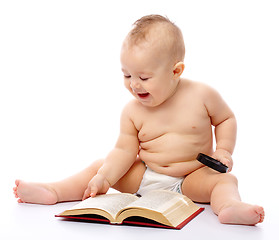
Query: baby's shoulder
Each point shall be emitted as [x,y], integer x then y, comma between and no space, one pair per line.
[197,88]
[194,85]
[132,113]
[131,108]
[132,104]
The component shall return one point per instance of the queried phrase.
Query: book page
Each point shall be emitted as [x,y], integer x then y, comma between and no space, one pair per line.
[158,200]
[111,203]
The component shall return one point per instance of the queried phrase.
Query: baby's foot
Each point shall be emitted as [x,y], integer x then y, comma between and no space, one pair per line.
[242,213]
[34,193]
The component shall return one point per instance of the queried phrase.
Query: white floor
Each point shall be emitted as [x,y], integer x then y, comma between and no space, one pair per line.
[29,221]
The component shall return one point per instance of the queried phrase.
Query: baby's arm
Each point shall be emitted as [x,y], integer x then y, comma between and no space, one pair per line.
[119,160]
[225,126]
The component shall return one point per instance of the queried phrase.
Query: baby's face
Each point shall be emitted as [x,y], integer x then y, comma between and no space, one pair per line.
[147,75]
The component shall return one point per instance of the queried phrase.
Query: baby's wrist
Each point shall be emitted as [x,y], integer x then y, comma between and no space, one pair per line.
[103,177]
[223,152]
[224,156]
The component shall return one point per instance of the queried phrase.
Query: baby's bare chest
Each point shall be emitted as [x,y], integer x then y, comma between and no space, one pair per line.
[185,122]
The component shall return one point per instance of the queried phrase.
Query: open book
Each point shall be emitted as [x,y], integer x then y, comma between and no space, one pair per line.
[159,208]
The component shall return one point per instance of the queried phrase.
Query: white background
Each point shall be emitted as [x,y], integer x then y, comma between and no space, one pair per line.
[61,87]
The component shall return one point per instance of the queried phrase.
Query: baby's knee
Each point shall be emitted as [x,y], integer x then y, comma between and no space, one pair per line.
[228,177]
[94,167]
[98,163]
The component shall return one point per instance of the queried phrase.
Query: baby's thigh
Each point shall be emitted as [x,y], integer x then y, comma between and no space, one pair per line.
[199,184]
[131,181]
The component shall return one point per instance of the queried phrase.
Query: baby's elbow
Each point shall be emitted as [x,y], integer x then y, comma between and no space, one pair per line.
[233,122]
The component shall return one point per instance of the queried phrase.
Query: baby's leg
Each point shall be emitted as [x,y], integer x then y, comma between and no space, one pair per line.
[131,181]
[221,190]
[72,188]
[69,189]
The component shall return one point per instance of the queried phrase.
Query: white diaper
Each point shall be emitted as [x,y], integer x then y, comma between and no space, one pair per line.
[157,181]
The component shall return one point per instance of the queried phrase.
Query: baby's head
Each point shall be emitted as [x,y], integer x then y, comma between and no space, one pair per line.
[152,59]
[160,33]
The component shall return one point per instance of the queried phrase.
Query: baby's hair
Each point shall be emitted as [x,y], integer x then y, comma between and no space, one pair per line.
[171,35]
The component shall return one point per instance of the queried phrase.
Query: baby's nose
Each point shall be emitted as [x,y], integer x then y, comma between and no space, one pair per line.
[134,84]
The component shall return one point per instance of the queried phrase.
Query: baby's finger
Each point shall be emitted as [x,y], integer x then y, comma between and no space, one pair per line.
[86,193]
[94,191]
[226,162]
[230,165]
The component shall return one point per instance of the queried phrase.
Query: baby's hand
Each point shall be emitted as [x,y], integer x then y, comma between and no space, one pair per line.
[224,157]
[98,185]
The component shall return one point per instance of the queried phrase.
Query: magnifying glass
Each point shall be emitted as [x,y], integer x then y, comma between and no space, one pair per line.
[212,163]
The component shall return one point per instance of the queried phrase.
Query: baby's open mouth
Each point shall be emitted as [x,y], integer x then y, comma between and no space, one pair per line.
[143,95]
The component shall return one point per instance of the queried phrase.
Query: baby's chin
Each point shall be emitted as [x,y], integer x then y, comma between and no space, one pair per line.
[148,102]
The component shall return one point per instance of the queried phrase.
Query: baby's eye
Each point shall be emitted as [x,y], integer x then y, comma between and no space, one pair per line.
[143,79]
[127,76]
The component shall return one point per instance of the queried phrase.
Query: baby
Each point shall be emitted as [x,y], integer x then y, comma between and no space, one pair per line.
[161,133]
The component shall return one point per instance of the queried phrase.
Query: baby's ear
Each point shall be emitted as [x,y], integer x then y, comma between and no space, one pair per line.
[178,70]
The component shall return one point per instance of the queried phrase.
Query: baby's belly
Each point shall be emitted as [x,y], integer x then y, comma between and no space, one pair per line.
[174,154]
